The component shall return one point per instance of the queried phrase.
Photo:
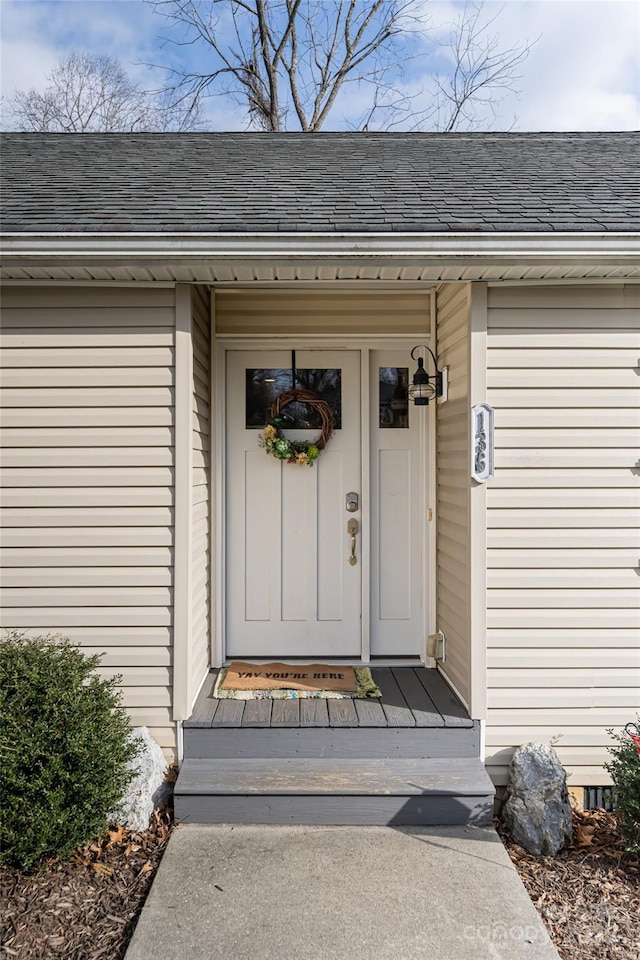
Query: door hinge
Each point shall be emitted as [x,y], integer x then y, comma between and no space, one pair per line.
[430,514]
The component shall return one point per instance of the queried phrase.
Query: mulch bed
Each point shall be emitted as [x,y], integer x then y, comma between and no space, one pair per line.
[86,909]
[589,894]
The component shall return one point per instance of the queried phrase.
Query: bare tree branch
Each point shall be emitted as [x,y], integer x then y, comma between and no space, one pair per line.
[94,94]
[291,60]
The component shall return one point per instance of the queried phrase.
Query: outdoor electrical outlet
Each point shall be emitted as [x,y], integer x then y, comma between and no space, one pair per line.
[435,646]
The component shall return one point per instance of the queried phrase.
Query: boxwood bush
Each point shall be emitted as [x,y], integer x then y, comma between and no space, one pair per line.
[625,773]
[64,749]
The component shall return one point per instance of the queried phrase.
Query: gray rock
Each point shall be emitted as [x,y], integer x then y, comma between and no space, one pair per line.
[536,807]
[148,790]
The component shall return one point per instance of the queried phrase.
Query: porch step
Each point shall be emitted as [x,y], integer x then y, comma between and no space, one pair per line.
[363,743]
[332,791]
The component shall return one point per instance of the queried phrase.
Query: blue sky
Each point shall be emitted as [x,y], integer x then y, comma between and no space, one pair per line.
[582,74]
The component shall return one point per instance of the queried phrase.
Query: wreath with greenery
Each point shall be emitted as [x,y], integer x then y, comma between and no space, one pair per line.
[303,452]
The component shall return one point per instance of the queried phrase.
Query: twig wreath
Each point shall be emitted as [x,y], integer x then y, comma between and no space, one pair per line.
[303,452]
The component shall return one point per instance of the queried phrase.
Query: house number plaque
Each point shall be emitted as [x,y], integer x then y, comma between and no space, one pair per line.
[482,442]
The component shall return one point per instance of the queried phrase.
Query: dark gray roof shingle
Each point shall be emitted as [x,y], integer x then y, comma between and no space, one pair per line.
[320,183]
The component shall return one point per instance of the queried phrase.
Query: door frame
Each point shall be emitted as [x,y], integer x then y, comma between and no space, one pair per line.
[221,344]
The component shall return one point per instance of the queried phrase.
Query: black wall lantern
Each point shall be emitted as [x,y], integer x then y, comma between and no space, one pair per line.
[425,387]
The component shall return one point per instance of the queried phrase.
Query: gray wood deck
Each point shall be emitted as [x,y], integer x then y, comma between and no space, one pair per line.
[411,697]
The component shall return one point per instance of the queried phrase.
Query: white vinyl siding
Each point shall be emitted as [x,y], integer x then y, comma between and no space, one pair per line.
[563,522]
[201,489]
[317,311]
[88,480]
[453,602]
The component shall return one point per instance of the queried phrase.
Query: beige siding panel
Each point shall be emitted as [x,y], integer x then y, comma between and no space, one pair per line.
[564,545]
[538,418]
[129,376]
[574,477]
[58,339]
[87,416]
[79,517]
[563,298]
[34,578]
[86,436]
[88,457]
[565,497]
[561,437]
[594,378]
[92,417]
[556,718]
[559,559]
[578,518]
[578,616]
[59,619]
[78,557]
[88,299]
[546,579]
[68,397]
[562,398]
[452,452]
[268,311]
[86,358]
[561,638]
[86,497]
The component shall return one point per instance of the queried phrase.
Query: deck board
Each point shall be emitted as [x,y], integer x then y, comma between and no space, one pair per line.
[285,713]
[453,713]
[395,706]
[229,713]
[207,704]
[370,713]
[342,713]
[424,710]
[257,713]
[411,697]
[314,713]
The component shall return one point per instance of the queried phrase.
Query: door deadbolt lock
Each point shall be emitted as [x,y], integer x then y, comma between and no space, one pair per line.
[352,502]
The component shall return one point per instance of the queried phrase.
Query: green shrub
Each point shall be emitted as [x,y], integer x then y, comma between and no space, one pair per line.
[64,749]
[625,773]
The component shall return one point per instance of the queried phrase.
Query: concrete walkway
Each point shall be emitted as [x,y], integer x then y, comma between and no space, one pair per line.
[338,893]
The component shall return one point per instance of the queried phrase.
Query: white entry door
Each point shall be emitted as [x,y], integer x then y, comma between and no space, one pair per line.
[291,590]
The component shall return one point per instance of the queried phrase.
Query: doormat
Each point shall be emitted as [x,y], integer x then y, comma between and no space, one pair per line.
[287,681]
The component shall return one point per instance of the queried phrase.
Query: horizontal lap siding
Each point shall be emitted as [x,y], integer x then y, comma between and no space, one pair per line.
[316,311]
[563,522]
[87,495]
[201,487]
[453,509]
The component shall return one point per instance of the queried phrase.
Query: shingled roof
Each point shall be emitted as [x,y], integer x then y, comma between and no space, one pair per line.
[320,183]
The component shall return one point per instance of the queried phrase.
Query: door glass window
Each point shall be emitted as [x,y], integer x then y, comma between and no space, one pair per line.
[394,397]
[264,385]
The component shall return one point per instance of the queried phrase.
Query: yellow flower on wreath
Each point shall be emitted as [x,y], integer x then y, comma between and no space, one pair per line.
[269,431]
[302,458]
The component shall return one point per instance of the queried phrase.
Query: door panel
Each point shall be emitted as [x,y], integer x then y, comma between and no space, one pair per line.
[290,589]
[398,508]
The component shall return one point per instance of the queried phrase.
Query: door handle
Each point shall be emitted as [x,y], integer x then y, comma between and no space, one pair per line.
[352,529]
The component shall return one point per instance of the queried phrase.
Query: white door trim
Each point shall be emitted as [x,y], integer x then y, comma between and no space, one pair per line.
[225,342]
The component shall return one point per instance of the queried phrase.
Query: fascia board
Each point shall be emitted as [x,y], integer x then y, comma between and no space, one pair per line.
[489,247]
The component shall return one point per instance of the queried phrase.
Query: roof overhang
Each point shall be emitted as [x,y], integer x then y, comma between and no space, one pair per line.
[203,257]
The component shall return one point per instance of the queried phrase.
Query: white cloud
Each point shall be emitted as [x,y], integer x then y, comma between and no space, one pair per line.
[583,73]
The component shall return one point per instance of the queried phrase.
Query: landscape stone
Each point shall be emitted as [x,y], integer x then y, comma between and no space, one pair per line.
[148,790]
[536,808]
